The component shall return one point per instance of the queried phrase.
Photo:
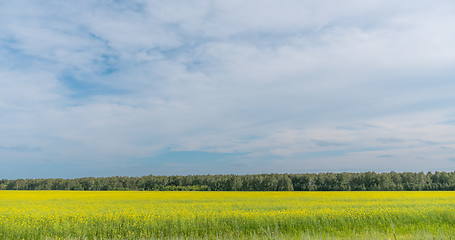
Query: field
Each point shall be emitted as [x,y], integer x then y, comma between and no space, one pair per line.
[226,215]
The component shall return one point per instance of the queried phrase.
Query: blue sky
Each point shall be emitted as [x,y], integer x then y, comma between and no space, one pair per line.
[100,88]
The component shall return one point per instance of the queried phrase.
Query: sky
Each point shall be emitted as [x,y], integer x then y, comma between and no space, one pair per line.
[131,88]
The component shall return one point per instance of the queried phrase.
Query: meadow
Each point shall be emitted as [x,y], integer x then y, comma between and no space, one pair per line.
[226,215]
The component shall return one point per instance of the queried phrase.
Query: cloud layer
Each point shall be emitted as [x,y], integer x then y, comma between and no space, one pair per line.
[139,87]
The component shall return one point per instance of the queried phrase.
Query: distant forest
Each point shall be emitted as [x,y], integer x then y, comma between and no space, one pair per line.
[368,181]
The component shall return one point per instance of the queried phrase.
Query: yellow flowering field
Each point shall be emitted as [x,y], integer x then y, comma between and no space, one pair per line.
[226,215]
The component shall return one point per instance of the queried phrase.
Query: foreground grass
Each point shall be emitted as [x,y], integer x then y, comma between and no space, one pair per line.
[226,215]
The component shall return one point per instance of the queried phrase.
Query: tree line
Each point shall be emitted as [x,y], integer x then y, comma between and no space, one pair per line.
[367,181]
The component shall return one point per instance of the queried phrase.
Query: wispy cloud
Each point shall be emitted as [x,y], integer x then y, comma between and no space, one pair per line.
[292,86]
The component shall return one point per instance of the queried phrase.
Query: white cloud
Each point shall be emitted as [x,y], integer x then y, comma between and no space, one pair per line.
[277,81]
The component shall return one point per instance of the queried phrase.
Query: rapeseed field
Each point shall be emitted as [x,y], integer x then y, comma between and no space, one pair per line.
[226,215]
